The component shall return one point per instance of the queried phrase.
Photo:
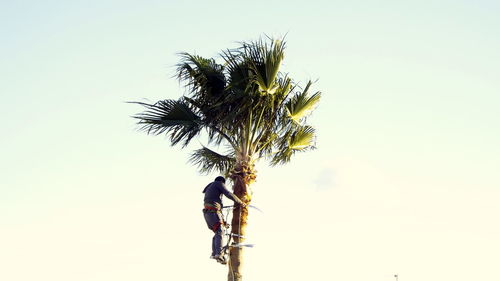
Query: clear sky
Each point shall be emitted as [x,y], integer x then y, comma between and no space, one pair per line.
[405,179]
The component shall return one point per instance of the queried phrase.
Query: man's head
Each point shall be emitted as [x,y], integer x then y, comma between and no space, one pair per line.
[221,179]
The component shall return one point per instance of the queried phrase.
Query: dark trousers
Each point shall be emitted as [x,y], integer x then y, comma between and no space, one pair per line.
[214,222]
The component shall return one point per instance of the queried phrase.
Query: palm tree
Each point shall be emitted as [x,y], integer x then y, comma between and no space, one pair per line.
[245,105]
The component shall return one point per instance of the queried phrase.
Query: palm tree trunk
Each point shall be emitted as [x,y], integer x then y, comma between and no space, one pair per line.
[238,230]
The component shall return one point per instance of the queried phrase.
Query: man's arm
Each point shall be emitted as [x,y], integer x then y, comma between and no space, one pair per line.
[231,195]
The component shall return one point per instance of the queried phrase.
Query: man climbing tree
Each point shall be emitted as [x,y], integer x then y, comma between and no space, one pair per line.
[244,104]
[212,212]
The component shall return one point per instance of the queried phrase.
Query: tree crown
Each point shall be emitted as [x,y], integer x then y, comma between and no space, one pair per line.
[246,103]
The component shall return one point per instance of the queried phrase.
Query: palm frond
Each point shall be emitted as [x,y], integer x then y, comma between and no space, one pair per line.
[265,61]
[301,104]
[300,139]
[203,77]
[208,161]
[273,59]
[172,117]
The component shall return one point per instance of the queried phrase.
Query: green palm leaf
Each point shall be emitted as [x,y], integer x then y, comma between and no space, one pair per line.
[302,139]
[294,140]
[175,118]
[301,104]
[265,62]
[203,77]
[208,160]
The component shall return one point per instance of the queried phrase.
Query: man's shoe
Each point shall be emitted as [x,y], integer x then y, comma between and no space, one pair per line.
[220,259]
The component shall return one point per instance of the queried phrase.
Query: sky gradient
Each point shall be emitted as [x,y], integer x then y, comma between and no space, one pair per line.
[404,180]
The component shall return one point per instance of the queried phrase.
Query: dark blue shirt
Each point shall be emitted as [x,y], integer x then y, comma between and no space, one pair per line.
[213,194]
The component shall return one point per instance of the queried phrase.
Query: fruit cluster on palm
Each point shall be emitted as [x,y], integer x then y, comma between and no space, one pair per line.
[245,105]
